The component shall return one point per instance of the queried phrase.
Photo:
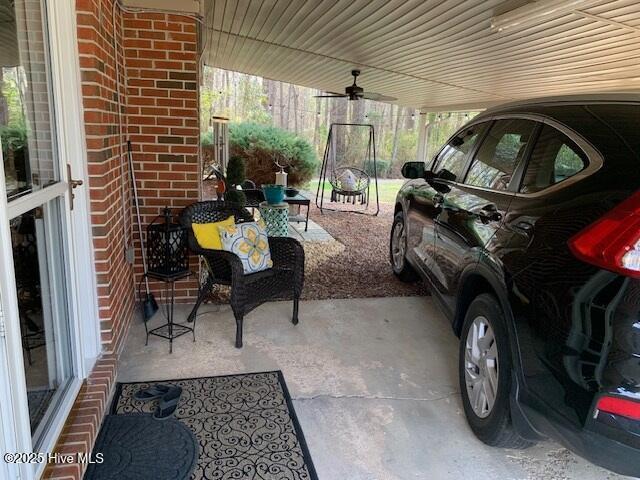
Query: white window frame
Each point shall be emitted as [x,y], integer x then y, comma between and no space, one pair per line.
[84,327]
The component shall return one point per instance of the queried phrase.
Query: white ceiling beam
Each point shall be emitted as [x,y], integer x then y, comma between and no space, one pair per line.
[191,7]
[608,21]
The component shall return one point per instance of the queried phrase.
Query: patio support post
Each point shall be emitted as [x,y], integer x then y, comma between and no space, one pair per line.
[422,137]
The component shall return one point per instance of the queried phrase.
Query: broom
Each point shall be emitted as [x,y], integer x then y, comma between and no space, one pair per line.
[149,305]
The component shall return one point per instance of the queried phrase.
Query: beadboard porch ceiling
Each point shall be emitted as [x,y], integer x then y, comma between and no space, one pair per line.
[435,54]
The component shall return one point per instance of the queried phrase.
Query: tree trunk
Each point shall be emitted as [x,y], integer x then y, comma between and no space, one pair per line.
[280,106]
[380,130]
[293,89]
[286,110]
[358,111]
[227,91]
[316,123]
[410,119]
[394,148]
[339,112]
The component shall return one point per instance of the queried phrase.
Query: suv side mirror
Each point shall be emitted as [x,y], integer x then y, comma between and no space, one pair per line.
[413,170]
[445,174]
[439,186]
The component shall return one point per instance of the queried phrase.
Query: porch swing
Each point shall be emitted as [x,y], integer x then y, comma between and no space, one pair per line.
[350,184]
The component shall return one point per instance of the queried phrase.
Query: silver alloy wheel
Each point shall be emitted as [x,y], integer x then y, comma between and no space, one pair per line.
[481,367]
[398,245]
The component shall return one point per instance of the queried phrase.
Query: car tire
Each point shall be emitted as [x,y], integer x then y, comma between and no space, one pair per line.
[398,251]
[485,373]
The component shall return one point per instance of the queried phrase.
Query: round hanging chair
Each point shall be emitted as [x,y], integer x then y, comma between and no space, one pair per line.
[349,184]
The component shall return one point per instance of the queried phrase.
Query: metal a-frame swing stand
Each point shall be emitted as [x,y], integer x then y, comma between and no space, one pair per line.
[362,193]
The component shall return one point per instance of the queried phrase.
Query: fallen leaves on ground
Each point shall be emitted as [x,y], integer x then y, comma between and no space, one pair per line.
[362,268]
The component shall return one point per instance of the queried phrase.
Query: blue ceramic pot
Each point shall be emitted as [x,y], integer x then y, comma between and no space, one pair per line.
[273,194]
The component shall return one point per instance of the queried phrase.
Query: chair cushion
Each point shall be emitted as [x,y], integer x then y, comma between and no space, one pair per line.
[208,234]
[347,180]
[249,242]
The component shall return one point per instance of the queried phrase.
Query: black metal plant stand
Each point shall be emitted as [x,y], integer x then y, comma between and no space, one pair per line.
[170,330]
[168,257]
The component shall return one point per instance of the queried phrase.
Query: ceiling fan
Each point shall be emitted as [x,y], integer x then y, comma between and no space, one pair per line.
[354,92]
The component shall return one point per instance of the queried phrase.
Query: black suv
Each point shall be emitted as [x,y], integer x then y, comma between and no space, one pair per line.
[526,226]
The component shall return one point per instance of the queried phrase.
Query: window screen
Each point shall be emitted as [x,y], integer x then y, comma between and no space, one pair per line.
[555,158]
[501,151]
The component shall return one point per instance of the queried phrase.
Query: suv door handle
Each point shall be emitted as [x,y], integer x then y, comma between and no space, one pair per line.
[489,213]
[524,227]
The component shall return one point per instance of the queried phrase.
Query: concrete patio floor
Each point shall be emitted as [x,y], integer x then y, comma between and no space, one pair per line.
[374,383]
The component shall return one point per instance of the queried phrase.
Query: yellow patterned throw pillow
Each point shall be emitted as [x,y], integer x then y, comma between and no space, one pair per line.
[249,242]
[208,234]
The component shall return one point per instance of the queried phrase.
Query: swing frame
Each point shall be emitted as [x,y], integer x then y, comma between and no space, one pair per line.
[363,194]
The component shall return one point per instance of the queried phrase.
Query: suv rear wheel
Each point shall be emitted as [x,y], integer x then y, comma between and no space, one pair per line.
[485,374]
[398,250]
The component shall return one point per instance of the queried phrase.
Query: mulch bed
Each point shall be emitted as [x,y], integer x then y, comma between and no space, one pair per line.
[357,265]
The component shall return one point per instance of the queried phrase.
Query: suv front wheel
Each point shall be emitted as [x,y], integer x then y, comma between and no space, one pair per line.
[398,250]
[485,374]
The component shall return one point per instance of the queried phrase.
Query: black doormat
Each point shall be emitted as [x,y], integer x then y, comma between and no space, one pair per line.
[245,424]
[139,447]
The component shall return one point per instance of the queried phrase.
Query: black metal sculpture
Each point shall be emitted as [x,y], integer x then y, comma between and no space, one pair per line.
[349,184]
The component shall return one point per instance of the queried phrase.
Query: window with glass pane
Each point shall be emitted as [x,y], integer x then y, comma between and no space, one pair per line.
[25,110]
[555,157]
[38,234]
[501,151]
[36,240]
[453,155]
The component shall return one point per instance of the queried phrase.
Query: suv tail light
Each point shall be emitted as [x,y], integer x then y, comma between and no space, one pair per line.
[619,406]
[613,241]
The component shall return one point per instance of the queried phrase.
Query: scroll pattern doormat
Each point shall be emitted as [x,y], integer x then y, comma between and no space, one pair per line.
[245,425]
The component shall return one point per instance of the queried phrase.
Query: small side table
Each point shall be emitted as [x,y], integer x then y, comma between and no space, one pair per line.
[299,200]
[276,217]
[170,330]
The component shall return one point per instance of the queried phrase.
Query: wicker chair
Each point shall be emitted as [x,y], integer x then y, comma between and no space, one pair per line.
[282,282]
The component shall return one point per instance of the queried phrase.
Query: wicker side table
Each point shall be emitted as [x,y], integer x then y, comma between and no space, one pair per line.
[276,217]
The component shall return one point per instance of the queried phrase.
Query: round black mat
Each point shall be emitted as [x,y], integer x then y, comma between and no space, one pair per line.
[139,447]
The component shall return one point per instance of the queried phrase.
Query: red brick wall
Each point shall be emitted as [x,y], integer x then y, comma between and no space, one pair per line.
[162,70]
[159,98]
[104,148]
[85,418]
[158,85]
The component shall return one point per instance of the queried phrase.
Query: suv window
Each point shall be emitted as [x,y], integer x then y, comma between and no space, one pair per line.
[555,157]
[501,151]
[452,157]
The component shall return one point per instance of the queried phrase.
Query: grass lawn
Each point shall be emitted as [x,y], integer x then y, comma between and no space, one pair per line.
[388,189]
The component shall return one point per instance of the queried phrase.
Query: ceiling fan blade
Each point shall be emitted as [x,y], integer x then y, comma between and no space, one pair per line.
[331,96]
[378,97]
